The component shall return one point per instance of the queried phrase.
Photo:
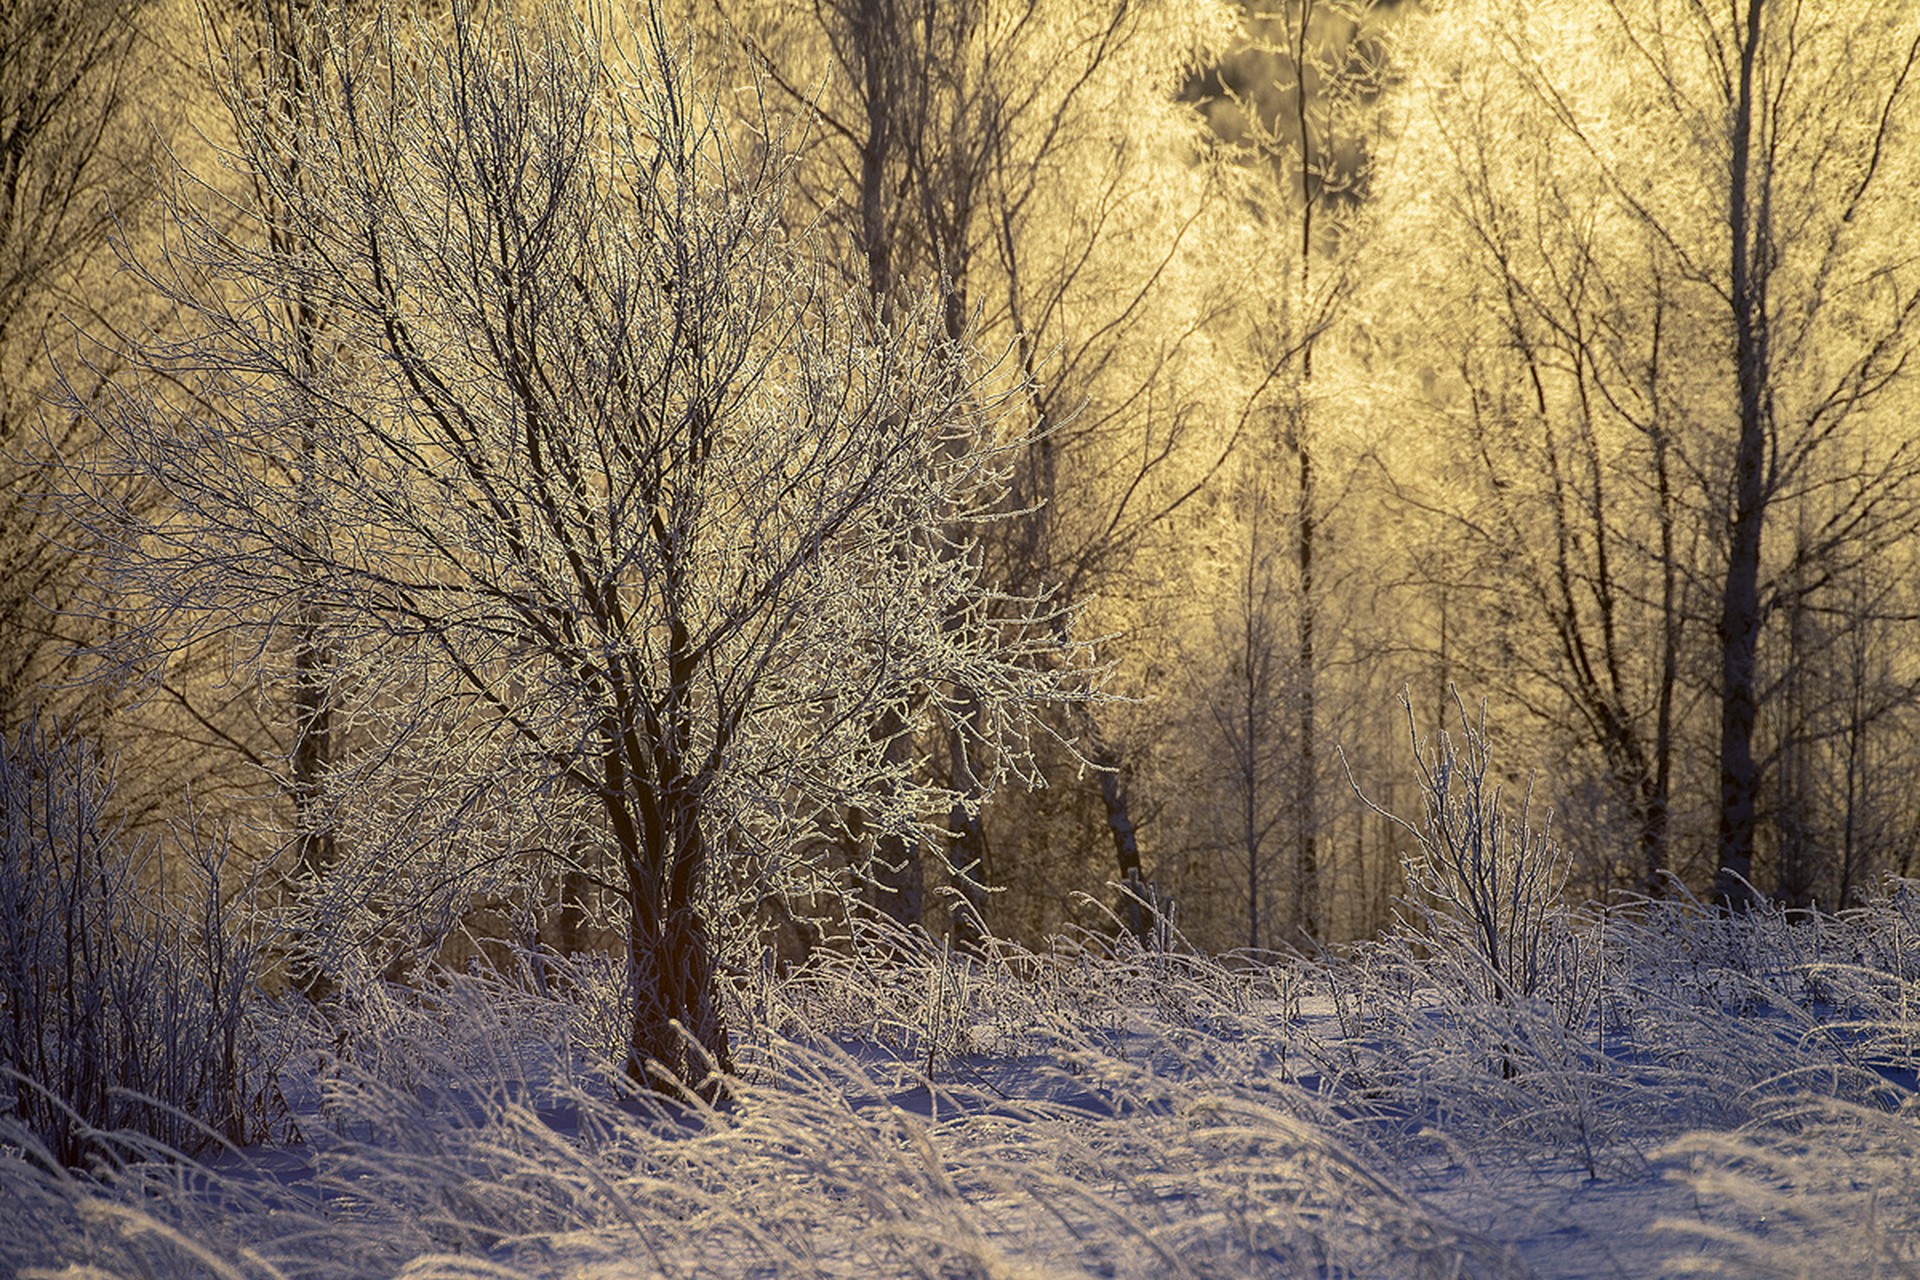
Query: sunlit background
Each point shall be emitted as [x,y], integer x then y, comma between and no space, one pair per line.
[679,487]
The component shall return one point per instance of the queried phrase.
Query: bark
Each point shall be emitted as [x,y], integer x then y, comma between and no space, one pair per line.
[1854,767]
[1306,858]
[894,867]
[312,757]
[292,43]
[870,29]
[1306,861]
[570,920]
[678,1033]
[1655,817]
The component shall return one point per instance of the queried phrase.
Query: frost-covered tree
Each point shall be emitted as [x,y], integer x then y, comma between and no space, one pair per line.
[624,524]
[1687,316]
[72,161]
[1297,108]
[1035,164]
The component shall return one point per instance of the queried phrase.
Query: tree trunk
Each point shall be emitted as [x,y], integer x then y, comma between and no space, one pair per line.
[1739,627]
[1794,870]
[1656,818]
[293,41]
[892,867]
[679,1034]
[1857,676]
[1135,908]
[570,920]
[1306,859]
[870,32]
[312,756]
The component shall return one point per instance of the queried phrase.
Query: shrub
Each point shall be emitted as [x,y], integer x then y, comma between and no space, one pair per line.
[125,1002]
[1485,885]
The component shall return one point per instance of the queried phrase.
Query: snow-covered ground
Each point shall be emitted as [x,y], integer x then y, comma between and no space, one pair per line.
[1681,1094]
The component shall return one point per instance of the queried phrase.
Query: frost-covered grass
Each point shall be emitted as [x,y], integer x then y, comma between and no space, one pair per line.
[1680,1093]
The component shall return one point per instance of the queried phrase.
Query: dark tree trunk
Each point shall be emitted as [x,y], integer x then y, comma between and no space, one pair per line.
[293,41]
[1306,859]
[1739,626]
[898,882]
[653,807]
[1851,778]
[1654,821]
[1793,787]
[1136,910]
[871,30]
[570,919]
[312,756]
[892,867]
[1656,818]
[679,1034]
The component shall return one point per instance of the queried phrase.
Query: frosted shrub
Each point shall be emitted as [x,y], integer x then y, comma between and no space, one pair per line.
[126,1004]
[1485,884]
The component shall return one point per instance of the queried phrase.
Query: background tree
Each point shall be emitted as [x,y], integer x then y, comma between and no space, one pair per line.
[89,94]
[1563,525]
[631,519]
[1030,162]
[73,149]
[1296,105]
[1704,316]
[1811,107]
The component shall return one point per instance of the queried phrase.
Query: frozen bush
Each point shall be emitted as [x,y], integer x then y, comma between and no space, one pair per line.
[125,1000]
[1485,884]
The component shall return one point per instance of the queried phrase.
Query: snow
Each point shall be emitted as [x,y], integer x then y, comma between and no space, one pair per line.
[1695,1100]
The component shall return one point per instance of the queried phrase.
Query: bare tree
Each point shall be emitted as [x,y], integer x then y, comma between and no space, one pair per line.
[1806,191]
[271,57]
[1694,224]
[72,156]
[1563,512]
[1248,694]
[631,522]
[1302,115]
[1840,702]
[975,147]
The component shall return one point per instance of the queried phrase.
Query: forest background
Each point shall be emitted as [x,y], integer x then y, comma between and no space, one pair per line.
[1559,355]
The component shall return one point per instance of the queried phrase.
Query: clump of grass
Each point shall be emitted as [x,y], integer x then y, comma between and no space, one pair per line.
[1810,1186]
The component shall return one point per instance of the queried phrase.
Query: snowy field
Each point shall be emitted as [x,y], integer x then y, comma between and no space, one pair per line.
[1678,1094]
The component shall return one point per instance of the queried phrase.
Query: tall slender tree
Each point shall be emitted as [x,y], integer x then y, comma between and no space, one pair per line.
[276,56]
[73,157]
[1298,106]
